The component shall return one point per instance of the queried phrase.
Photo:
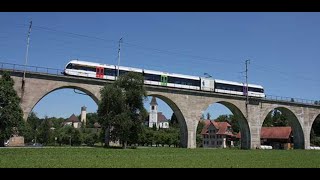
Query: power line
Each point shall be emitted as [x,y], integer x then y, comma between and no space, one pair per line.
[74,34]
[206,59]
[284,74]
[195,57]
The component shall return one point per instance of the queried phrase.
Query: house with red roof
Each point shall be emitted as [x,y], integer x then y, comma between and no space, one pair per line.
[277,137]
[217,134]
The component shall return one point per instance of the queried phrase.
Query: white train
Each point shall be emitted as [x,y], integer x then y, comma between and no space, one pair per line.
[157,78]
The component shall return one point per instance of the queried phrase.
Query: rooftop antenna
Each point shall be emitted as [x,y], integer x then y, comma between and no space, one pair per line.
[120,41]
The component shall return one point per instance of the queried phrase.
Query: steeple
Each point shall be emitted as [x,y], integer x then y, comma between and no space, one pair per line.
[84,115]
[153,114]
[153,101]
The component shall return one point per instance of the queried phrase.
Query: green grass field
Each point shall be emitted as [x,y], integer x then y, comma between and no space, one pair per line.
[155,157]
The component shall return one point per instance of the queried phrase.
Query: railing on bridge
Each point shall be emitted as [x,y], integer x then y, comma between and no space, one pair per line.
[293,100]
[34,69]
[59,72]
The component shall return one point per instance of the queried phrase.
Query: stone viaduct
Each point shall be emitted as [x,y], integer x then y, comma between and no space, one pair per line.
[188,105]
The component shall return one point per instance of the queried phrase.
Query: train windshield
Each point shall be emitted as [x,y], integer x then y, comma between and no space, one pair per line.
[69,66]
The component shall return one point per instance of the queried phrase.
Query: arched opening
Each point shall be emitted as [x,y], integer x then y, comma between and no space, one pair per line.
[166,118]
[223,125]
[315,133]
[281,130]
[63,116]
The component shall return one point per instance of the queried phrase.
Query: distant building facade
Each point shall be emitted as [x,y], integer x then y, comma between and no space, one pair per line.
[276,137]
[156,118]
[217,134]
[72,121]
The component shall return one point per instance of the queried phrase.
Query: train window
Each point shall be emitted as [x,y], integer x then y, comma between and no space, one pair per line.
[229,87]
[109,72]
[184,81]
[152,77]
[69,66]
[91,69]
[256,89]
[121,72]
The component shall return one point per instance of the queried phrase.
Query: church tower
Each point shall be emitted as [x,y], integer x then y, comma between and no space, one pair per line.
[83,116]
[153,115]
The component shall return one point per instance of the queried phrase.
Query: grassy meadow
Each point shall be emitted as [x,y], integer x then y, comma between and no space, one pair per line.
[73,157]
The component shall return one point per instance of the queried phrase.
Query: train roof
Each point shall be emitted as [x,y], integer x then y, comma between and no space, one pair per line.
[172,74]
[90,63]
[129,69]
[135,69]
[237,83]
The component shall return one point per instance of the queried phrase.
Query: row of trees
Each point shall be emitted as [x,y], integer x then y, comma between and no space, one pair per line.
[151,136]
[51,131]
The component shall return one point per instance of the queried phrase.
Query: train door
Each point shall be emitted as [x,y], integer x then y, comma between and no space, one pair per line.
[245,90]
[207,84]
[164,80]
[99,72]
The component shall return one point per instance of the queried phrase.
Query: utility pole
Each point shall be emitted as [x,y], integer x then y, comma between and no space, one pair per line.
[247,97]
[26,61]
[247,87]
[28,41]
[120,41]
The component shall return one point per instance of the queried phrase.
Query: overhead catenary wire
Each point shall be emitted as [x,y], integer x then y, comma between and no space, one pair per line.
[193,58]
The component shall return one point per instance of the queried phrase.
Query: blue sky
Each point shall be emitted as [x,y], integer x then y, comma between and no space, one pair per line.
[283,48]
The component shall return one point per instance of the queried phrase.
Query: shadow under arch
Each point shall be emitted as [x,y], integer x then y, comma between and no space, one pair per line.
[243,124]
[298,136]
[180,118]
[87,92]
[315,119]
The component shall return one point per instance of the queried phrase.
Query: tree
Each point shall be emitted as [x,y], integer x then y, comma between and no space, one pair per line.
[111,104]
[91,119]
[234,122]
[316,126]
[174,121]
[199,137]
[30,131]
[275,119]
[268,122]
[222,118]
[231,119]
[121,111]
[11,116]
[44,131]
